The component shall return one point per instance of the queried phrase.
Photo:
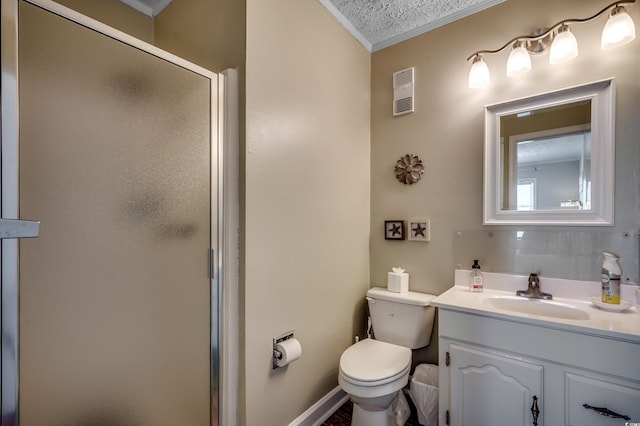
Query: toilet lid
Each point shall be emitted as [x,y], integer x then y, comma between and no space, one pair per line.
[372,360]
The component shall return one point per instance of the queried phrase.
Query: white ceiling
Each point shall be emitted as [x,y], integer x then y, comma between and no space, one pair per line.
[381,23]
[148,7]
[558,149]
[376,23]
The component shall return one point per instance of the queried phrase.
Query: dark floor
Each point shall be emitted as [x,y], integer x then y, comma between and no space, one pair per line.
[342,417]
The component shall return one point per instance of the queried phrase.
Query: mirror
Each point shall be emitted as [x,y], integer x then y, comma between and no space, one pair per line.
[549,159]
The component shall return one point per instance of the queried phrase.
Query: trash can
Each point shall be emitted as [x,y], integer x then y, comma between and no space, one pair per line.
[424,393]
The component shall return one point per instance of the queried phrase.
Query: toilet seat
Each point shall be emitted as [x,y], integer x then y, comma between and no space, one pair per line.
[373,363]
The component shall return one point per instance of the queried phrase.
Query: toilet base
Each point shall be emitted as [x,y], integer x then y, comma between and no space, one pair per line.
[362,417]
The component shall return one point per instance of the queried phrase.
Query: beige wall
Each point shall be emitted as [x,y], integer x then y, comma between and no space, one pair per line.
[115,14]
[446,130]
[210,33]
[307,201]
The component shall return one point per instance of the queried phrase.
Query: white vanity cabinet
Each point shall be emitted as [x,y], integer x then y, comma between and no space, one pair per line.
[492,366]
[481,379]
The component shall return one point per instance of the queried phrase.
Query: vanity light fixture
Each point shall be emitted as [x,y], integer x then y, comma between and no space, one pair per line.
[479,74]
[519,60]
[619,30]
[564,47]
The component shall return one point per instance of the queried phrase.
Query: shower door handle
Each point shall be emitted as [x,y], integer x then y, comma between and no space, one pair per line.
[16,228]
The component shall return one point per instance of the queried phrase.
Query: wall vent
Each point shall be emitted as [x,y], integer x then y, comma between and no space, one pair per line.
[403,92]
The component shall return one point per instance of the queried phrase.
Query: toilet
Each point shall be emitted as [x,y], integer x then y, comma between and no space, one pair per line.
[373,371]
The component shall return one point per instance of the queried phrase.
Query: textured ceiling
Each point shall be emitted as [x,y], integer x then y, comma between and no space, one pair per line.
[381,23]
[376,23]
[148,7]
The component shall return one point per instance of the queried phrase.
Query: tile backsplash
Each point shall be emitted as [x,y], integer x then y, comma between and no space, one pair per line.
[560,253]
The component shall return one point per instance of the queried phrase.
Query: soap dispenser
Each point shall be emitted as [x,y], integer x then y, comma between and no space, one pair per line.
[476,283]
[610,279]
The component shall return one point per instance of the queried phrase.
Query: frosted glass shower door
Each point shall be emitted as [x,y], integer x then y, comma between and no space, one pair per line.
[118,320]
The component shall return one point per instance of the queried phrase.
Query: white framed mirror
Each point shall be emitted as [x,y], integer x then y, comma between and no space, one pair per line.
[549,159]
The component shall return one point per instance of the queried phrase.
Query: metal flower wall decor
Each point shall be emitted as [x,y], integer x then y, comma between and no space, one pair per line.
[409,169]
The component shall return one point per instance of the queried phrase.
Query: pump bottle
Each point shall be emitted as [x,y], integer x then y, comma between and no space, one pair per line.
[476,284]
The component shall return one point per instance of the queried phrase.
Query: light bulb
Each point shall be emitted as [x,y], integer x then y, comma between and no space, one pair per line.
[564,46]
[519,61]
[618,30]
[479,73]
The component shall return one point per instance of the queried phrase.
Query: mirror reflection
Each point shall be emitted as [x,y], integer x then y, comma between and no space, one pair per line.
[546,158]
[549,158]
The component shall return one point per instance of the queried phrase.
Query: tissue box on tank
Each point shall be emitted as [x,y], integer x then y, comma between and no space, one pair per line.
[398,282]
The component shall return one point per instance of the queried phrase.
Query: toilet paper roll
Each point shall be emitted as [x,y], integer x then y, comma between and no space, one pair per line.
[290,350]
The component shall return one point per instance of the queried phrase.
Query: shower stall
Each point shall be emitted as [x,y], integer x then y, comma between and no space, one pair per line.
[110,316]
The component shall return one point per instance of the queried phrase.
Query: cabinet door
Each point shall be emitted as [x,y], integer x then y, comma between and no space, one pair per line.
[492,389]
[599,392]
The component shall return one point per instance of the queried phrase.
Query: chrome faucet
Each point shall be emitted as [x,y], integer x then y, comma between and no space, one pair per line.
[533,290]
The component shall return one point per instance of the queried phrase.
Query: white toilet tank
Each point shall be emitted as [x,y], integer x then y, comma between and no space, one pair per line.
[404,319]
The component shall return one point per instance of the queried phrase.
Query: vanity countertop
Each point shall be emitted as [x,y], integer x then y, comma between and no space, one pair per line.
[623,325]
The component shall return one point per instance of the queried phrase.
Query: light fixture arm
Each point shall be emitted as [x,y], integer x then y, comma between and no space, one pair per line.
[550,29]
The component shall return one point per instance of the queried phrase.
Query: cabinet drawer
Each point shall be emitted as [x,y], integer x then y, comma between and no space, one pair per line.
[599,392]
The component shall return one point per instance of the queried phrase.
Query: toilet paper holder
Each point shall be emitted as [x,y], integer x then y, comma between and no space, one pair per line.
[276,353]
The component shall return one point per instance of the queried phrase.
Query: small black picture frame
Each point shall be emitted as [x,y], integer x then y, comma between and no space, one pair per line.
[394,230]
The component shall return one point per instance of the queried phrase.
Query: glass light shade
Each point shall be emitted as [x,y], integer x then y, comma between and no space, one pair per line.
[519,61]
[564,46]
[479,74]
[618,30]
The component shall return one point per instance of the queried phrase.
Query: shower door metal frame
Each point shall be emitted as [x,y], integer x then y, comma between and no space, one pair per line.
[9,199]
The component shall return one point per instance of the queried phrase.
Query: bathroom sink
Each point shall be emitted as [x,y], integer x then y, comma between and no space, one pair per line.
[545,308]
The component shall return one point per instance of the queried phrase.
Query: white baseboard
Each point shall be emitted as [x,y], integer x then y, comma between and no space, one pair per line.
[323,409]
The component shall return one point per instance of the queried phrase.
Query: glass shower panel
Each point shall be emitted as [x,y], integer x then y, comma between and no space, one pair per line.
[115,296]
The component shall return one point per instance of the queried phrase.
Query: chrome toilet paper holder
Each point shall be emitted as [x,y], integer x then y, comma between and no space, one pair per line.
[276,353]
